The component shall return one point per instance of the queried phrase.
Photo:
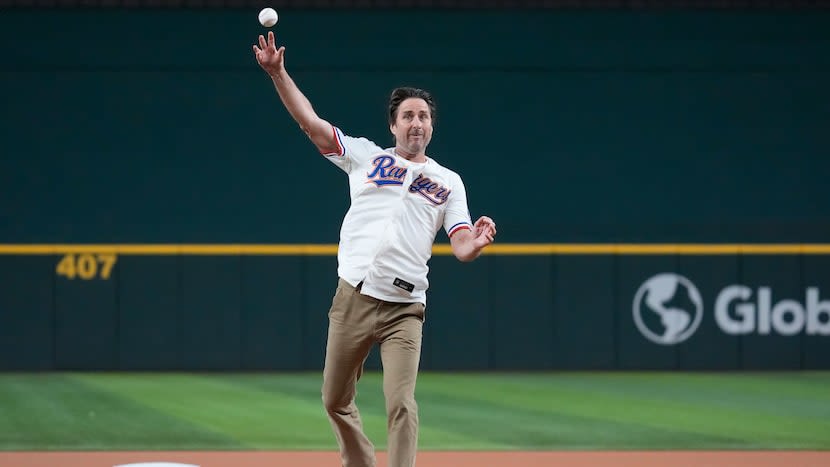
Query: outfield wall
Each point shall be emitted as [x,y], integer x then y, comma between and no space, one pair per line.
[550,311]
[157,127]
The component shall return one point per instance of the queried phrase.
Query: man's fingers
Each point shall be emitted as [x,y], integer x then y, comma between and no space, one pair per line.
[484,220]
[271,40]
[262,44]
[485,227]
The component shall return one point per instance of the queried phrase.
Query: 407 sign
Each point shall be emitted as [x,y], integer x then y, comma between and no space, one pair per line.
[86,266]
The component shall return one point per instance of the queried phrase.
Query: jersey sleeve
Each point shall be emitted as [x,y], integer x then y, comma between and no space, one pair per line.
[457,214]
[351,151]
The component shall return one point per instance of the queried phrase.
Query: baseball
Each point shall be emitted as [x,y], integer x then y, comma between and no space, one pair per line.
[268,17]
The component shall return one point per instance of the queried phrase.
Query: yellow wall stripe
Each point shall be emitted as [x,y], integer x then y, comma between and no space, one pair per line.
[439,249]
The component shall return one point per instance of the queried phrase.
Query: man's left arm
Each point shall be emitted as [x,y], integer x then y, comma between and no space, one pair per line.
[466,239]
[468,244]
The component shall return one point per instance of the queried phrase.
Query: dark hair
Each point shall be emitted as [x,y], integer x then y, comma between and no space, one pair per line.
[403,93]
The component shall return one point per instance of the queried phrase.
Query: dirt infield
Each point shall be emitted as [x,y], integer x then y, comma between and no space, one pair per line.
[430,459]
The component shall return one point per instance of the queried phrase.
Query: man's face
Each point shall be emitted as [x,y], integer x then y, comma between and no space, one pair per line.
[413,126]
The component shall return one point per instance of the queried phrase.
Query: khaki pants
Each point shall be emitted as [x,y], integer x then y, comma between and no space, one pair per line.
[356,323]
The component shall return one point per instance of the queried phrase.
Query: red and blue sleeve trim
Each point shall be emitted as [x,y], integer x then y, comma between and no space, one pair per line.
[459,226]
[341,151]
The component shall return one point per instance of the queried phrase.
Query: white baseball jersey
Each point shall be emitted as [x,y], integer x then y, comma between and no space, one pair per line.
[397,208]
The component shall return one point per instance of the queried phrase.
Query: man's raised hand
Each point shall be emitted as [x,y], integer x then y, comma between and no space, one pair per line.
[269,57]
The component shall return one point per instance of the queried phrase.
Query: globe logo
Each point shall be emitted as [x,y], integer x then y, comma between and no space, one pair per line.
[667,309]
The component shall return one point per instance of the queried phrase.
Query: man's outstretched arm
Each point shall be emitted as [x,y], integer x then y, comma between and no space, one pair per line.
[272,60]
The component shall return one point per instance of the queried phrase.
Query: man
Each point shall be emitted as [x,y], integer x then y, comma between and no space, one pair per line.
[400,198]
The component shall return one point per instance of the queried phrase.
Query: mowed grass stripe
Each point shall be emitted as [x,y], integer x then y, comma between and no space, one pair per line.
[683,413]
[57,412]
[434,434]
[537,428]
[255,418]
[803,395]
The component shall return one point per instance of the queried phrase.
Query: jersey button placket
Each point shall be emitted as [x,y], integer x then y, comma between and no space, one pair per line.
[394,221]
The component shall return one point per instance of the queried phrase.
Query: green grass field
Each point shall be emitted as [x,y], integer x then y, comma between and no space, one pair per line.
[493,411]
